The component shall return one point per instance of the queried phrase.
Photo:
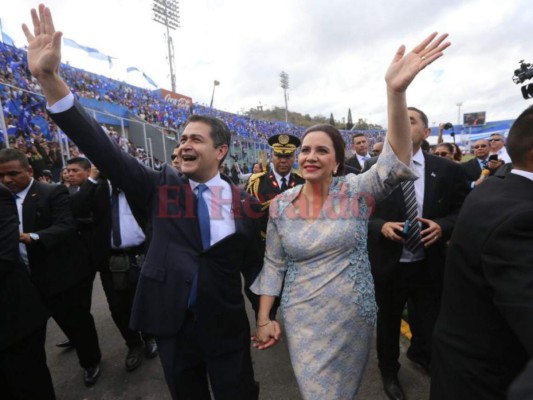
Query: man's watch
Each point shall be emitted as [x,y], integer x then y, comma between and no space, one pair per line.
[34,237]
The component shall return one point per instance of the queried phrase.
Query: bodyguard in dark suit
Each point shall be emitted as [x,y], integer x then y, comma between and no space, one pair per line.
[23,317]
[53,253]
[204,235]
[361,155]
[411,267]
[483,336]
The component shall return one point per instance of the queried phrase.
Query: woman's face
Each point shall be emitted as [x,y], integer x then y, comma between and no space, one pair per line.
[257,168]
[317,158]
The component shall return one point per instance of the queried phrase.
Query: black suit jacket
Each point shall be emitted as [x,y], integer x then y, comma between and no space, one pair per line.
[21,307]
[484,333]
[58,259]
[175,254]
[472,169]
[444,192]
[353,162]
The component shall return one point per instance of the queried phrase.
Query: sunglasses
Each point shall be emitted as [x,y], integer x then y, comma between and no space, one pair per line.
[482,146]
[441,153]
[173,157]
[495,140]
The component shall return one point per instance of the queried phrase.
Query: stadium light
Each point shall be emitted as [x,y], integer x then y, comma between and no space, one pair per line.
[215,84]
[284,83]
[166,12]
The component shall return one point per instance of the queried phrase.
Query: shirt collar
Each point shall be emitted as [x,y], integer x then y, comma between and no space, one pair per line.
[279,177]
[215,181]
[525,174]
[22,194]
[418,158]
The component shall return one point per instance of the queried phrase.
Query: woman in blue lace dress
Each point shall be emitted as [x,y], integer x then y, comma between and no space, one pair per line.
[316,243]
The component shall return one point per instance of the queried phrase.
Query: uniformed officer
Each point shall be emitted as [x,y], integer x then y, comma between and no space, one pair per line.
[267,185]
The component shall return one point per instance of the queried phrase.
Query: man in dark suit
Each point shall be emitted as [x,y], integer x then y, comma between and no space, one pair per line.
[53,253]
[204,235]
[23,317]
[360,155]
[92,209]
[411,267]
[483,337]
[480,162]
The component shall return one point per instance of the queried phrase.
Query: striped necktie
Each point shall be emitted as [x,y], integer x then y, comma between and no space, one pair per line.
[412,241]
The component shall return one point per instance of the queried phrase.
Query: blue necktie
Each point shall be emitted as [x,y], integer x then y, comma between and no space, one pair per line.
[205,232]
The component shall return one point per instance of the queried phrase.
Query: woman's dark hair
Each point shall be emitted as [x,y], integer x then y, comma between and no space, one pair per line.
[338,143]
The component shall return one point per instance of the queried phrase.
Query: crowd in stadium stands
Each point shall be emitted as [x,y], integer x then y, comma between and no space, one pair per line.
[26,116]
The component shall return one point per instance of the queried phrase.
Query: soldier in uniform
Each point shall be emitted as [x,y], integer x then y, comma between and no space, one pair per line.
[267,185]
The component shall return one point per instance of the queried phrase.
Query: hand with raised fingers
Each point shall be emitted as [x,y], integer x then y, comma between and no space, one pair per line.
[44,45]
[405,67]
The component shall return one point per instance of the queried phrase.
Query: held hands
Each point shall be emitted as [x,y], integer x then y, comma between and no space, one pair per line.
[266,335]
[44,45]
[405,67]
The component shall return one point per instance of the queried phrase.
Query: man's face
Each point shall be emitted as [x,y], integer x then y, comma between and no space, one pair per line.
[199,156]
[282,163]
[481,149]
[77,175]
[419,132]
[176,159]
[360,145]
[15,176]
[496,142]
[377,149]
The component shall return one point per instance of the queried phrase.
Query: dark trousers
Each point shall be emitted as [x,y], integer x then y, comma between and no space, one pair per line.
[414,283]
[24,374]
[70,311]
[187,368]
[120,300]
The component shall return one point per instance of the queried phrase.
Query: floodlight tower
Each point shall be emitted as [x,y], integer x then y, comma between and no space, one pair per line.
[284,83]
[166,12]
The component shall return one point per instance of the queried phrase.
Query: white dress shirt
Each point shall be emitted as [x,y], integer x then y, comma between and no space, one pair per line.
[279,178]
[219,200]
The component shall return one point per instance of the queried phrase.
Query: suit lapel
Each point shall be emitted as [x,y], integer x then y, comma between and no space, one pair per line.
[431,175]
[29,208]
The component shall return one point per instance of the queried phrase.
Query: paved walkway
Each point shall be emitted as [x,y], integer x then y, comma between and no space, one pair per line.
[272,368]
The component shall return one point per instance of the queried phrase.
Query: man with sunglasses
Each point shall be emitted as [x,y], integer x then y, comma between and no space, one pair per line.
[476,165]
[497,147]
[176,159]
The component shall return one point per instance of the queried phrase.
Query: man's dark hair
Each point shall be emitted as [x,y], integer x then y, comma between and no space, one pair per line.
[338,143]
[81,161]
[449,146]
[7,155]
[520,139]
[423,116]
[220,132]
[359,134]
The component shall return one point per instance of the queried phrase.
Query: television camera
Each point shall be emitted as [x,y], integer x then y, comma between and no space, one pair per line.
[522,74]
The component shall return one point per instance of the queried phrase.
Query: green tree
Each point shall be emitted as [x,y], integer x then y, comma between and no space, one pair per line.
[331,119]
[349,122]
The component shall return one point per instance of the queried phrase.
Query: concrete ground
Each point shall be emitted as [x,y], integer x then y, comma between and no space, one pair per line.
[272,369]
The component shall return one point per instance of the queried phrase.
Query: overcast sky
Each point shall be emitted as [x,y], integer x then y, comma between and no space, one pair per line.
[336,52]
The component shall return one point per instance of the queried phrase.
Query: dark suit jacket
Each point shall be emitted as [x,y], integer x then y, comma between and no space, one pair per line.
[21,308]
[484,333]
[58,259]
[472,169]
[353,162]
[444,192]
[175,254]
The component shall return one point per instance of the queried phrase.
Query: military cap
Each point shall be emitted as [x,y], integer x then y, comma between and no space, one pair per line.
[284,143]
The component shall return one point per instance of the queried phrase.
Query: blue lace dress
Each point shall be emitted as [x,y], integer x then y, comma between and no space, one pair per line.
[327,302]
